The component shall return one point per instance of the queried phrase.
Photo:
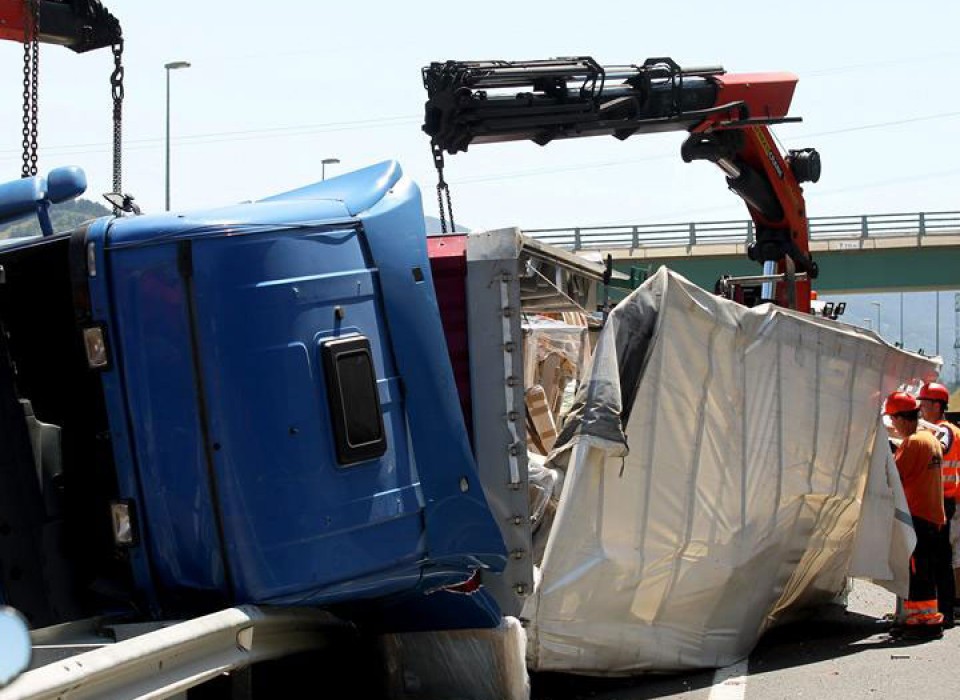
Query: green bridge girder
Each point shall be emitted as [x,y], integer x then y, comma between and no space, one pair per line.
[861,253]
[841,271]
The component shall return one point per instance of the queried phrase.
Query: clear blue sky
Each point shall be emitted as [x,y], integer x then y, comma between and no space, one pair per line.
[275,88]
[914,323]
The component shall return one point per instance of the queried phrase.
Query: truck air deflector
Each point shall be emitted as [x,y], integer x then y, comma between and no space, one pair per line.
[358,190]
[457,514]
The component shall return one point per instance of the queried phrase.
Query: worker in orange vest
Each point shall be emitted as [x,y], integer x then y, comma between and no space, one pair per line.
[918,460]
[934,399]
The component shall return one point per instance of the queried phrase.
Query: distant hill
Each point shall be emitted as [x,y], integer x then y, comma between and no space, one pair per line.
[64,216]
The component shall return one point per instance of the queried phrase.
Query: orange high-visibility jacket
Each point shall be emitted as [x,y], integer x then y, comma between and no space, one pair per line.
[918,460]
[949,436]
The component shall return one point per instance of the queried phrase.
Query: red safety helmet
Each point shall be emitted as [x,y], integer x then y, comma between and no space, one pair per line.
[900,402]
[934,392]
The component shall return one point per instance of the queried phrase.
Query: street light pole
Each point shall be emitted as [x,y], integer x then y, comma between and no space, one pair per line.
[937,351]
[323,166]
[901,319]
[174,65]
[877,304]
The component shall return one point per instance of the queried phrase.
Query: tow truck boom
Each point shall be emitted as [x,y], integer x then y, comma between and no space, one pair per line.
[727,115]
[80,25]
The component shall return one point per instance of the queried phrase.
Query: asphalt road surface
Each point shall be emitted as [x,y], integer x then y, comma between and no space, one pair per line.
[842,653]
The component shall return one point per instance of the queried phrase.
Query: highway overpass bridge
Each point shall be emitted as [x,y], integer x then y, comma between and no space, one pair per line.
[856,254]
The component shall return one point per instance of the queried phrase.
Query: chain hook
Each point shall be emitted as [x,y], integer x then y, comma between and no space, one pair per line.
[443,189]
[117,93]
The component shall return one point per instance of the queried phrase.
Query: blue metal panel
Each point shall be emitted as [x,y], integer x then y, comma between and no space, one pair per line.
[151,342]
[115,394]
[294,521]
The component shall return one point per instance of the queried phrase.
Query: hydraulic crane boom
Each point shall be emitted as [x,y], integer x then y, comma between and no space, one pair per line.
[80,25]
[727,115]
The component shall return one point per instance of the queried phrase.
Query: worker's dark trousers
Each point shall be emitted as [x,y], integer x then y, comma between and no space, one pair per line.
[943,566]
[923,582]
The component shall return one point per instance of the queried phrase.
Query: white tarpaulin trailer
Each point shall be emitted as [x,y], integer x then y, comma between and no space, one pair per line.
[722,469]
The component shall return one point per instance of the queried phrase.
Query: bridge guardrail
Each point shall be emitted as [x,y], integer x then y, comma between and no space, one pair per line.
[822,228]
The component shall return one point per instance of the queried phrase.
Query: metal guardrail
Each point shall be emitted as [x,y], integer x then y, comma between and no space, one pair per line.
[822,228]
[167,661]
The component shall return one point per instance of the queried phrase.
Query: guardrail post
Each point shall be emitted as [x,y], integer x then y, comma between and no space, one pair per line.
[693,233]
[635,238]
[749,231]
[922,228]
[576,239]
[864,227]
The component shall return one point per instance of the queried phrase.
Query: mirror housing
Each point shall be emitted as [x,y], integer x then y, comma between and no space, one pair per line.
[15,643]
[34,195]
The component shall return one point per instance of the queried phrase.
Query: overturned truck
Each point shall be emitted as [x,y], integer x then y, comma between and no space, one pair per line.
[305,404]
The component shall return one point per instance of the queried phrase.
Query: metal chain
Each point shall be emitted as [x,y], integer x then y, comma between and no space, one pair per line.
[35,87]
[443,219]
[31,72]
[25,172]
[442,188]
[116,84]
[453,227]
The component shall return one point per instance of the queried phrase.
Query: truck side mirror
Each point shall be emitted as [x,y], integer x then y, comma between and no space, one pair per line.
[65,183]
[15,644]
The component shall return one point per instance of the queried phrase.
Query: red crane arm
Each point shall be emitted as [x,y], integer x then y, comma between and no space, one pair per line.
[80,25]
[13,17]
[727,115]
[769,182]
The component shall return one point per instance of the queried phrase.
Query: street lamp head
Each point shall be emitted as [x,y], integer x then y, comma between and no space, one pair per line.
[173,65]
[323,166]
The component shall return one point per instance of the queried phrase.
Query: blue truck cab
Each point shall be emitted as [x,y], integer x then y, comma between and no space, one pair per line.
[251,404]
